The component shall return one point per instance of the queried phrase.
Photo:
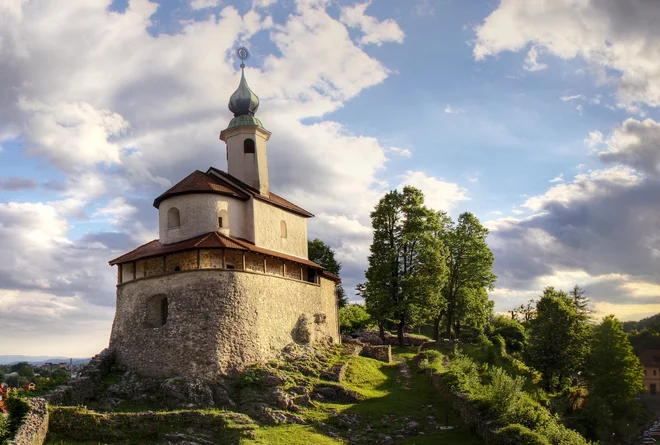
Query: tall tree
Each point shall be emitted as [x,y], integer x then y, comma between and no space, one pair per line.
[322,254]
[470,265]
[581,301]
[558,340]
[613,370]
[407,263]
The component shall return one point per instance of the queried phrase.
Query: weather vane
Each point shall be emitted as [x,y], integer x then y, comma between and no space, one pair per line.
[243,54]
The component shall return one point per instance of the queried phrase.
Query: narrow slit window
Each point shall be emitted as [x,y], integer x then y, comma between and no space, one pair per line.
[173,218]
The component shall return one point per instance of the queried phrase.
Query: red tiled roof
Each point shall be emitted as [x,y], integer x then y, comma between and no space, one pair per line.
[272,198]
[212,240]
[199,182]
[650,358]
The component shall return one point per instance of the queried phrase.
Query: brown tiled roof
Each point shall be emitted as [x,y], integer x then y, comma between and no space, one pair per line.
[199,182]
[212,240]
[650,358]
[272,198]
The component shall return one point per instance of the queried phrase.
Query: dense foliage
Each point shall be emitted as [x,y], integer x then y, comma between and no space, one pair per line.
[322,254]
[352,318]
[18,409]
[407,267]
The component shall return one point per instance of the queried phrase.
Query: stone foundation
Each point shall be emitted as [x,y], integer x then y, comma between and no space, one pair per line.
[382,353]
[87,385]
[216,322]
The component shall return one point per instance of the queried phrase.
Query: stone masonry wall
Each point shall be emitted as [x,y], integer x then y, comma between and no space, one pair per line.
[218,321]
[35,426]
[382,353]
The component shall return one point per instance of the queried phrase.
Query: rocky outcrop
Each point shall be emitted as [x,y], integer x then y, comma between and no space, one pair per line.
[87,385]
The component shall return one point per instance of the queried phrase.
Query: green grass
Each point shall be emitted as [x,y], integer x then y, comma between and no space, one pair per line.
[382,398]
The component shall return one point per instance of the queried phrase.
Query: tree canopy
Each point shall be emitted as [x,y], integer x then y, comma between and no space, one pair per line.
[322,254]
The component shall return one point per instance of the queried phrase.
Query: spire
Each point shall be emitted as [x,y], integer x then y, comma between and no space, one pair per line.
[243,103]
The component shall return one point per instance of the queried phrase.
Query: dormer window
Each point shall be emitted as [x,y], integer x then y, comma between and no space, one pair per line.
[283,231]
[248,146]
[173,218]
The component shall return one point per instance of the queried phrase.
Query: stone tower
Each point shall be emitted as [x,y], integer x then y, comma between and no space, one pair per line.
[228,282]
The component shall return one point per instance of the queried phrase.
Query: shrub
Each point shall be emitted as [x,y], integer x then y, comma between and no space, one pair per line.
[430,359]
[463,374]
[522,435]
[353,317]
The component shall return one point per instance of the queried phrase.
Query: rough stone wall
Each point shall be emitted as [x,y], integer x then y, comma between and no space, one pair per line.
[254,262]
[274,266]
[184,260]
[218,321]
[293,270]
[267,233]
[382,353]
[35,426]
[234,258]
[153,266]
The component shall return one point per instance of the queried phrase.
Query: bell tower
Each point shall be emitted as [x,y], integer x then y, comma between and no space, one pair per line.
[245,136]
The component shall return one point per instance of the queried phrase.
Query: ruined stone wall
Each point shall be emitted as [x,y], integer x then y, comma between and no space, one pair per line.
[34,428]
[218,321]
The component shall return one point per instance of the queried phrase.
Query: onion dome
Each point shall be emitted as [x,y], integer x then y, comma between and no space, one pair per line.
[243,102]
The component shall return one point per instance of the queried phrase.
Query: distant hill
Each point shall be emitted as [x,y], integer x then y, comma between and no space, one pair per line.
[38,359]
[641,324]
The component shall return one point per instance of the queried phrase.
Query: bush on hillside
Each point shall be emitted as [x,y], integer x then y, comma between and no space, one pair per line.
[353,317]
[430,359]
[522,435]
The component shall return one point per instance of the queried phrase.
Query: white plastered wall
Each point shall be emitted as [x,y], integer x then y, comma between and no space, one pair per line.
[199,214]
[252,169]
[267,233]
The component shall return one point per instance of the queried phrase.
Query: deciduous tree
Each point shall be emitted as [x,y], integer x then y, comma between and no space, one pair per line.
[407,262]
[470,264]
[613,370]
[558,341]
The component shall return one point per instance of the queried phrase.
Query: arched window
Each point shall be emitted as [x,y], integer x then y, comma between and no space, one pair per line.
[173,218]
[283,229]
[223,219]
[248,146]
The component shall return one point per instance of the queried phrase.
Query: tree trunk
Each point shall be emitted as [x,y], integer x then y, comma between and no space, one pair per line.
[457,328]
[381,328]
[436,328]
[399,332]
[450,316]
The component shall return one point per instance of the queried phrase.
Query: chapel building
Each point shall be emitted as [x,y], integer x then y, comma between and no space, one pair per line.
[228,283]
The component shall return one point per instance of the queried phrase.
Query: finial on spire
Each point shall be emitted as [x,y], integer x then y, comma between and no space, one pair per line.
[244,102]
[243,54]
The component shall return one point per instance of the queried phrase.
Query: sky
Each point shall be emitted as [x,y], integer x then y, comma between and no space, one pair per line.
[539,117]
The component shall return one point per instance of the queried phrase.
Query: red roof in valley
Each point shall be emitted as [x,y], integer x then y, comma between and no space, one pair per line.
[199,182]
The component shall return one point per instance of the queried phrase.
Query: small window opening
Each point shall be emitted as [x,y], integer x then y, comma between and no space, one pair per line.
[283,231]
[173,218]
[157,311]
[223,219]
[230,266]
[311,275]
[248,146]
[177,269]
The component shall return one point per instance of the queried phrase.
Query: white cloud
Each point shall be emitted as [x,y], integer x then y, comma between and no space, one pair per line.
[375,32]
[575,97]
[558,178]
[450,110]
[517,212]
[597,32]
[532,63]
[438,194]
[634,143]
[123,126]
[204,4]
[403,152]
